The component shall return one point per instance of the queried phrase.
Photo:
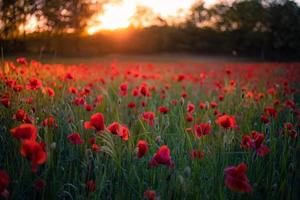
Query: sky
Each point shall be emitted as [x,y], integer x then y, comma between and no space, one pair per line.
[118,14]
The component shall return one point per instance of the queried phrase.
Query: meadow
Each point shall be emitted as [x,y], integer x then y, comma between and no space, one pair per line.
[149,130]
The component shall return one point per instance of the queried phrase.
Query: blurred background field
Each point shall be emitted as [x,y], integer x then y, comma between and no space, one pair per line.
[259,29]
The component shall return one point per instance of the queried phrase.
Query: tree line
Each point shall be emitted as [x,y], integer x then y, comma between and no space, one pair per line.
[260,28]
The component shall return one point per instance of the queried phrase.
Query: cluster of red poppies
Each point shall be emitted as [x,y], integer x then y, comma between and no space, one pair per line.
[148,93]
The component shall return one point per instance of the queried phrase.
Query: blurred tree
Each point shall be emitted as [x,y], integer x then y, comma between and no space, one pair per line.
[13,13]
[284,24]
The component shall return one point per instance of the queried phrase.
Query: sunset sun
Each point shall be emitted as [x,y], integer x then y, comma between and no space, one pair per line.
[119,15]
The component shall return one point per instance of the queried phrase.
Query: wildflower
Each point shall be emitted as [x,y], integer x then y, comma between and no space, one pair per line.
[236,178]
[49,91]
[190,107]
[119,129]
[226,121]
[35,152]
[202,129]
[4,182]
[123,89]
[189,117]
[39,184]
[163,109]
[149,117]
[34,84]
[96,122]
[196,154]
[150,194]
[5,101]
[91,185]
[142,148]
[75,138]
[162,157]
[255,141]
[24,132]
[271,112]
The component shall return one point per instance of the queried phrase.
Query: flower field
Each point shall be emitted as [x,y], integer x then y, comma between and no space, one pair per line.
[149,130]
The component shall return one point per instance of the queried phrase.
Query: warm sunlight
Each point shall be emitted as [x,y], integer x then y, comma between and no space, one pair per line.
[114,16]
[119,15]
[30,26]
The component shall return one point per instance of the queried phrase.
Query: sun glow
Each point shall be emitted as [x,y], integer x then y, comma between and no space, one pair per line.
[30,25]
[119,15]
[114,16]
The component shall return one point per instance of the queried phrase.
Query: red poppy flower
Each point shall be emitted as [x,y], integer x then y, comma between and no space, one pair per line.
[271,112]
[34,84]
[4,182]
[196,154]
[226,121]
[202,105]
[174,102]
[20,115]
[96,122]
[135,92]
[79,101]
[289,126]
[255,142]
[276,102]
[50,122]
[142,148]
[202,129]
[213,104]
[91,185]
[236,178]
[35,152]
[69,76]
[189,117]
[190,107]
[144,90]
[88,107]
[163,109]
[39,184]
[123,89]
[5,101]
[22,60]
[221,97]
[24,132]
[49,91]
[113,128]
[149,117]
[96,148]
[131,105]
[73,90]
[149,194]
[75,138]
[258,139]
[143,103]
[264,119]
[246,142]
[162,157]
[118,129]
[123,132]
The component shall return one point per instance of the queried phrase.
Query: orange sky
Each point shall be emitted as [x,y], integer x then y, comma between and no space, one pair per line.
[119,14]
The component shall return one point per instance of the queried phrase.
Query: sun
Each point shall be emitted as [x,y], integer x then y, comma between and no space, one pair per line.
[114,16]
[119,15]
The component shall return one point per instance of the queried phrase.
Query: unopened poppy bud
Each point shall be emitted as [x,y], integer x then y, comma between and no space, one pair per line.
[158,140]
[181,179]
[181,101]
[53,145]
[187,172]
